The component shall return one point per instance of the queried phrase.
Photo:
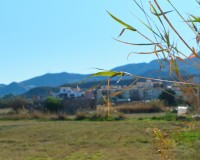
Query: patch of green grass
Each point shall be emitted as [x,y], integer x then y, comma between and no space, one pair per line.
[188,136]
[189,142]
[172,117]
[166,117]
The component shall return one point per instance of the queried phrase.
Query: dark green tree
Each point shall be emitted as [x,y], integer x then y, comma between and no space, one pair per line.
[53,104]
[168,96]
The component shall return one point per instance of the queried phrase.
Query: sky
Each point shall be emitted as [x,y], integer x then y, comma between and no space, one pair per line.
[75,36]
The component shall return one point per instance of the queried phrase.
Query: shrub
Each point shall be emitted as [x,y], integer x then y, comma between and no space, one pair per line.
[62,117]
[18,104]
[98,117]
[81,116]
[53,104]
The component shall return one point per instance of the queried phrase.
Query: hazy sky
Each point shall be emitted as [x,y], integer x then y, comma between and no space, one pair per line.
[51,36]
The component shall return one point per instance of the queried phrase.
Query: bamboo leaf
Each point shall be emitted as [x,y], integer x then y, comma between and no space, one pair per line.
[193,25]
[122,32]
[160,14]
[167,38]
[149,18]
[107,74]
[104,73]
[153,52]
[155,12]
[194,19]
[122,23]
[171,66]
[153,9]
[136,44]
[174,68]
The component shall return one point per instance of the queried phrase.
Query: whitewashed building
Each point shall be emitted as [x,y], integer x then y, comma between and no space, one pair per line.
[67,92]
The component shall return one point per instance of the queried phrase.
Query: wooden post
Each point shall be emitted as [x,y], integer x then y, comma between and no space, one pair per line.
[108,98]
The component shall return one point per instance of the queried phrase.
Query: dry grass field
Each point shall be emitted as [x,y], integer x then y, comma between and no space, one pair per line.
[90,140]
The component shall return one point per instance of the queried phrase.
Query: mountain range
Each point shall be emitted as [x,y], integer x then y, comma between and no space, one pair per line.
[151,69]
[46,80]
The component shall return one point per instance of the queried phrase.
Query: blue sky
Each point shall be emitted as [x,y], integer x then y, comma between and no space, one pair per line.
[51,36]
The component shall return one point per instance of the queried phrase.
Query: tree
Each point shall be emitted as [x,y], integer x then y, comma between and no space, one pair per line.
[168,96]
[53,104]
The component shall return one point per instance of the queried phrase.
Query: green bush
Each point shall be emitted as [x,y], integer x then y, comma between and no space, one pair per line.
[53,104]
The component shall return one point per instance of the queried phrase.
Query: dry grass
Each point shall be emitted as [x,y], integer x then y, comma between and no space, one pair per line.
[151,107]
[72,140]
[9,114]
[4,111]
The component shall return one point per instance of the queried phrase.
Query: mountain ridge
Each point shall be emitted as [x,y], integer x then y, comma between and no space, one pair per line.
[151,69]
[56,79]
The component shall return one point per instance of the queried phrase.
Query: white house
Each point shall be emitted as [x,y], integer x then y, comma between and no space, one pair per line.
[67,92]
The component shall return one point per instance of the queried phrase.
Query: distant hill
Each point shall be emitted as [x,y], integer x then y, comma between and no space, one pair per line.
[47,80]
[13,88]
[53,79]
[151,69]
[40,92]
[2,85]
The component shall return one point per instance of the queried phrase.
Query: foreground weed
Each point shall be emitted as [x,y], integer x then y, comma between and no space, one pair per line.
[162,144]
